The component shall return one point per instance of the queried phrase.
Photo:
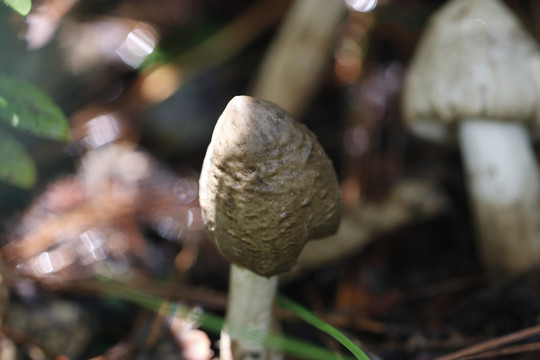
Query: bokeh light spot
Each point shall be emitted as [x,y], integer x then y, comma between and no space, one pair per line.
[362,5]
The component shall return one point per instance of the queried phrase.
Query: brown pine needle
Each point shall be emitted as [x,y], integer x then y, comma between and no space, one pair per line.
[511,350]
[493,343]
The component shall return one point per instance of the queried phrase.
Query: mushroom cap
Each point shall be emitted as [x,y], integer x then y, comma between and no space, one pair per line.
[475,60]
[266,187]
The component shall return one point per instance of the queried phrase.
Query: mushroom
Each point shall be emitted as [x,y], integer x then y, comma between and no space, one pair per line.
[474,77]
[266,188]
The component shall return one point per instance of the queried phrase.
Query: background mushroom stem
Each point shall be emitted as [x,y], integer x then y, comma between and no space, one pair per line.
[249,311]
[504,182]
[295,63]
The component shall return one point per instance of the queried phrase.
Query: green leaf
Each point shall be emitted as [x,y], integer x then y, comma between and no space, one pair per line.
[21,6]
[24,106]
[16,166]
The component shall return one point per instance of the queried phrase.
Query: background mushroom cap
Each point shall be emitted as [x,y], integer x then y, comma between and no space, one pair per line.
[266,187]
[475,60]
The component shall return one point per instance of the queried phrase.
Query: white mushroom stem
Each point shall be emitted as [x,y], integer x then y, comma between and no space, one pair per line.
[299,55]
[504,184]
[249,315]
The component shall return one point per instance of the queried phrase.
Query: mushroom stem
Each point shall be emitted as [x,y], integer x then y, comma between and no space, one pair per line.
[249,314]
[504,183]
[299,54]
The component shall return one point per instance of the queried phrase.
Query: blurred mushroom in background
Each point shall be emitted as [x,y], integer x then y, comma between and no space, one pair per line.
[475,78]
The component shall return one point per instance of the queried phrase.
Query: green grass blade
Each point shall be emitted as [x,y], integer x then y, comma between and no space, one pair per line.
[313,320]
[213,323]
[301,349]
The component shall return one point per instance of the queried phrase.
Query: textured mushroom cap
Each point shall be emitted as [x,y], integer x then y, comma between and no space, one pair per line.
[475,60]
[266,187]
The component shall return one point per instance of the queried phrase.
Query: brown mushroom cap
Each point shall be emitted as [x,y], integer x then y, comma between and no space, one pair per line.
[266,187]
[475,60]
